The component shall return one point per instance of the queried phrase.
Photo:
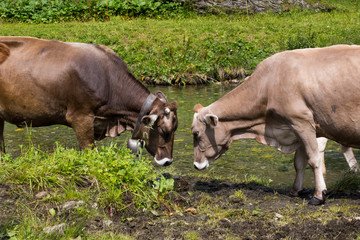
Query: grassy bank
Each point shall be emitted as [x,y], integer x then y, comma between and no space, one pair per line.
[205,48]
[107,193]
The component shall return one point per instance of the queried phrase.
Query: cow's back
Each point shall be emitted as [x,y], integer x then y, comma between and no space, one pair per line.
[42,79]
[325,81]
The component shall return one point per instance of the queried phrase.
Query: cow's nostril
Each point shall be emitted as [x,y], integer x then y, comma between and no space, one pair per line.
[168,163]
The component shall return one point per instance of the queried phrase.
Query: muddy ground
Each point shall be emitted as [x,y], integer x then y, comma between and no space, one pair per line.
[217,209]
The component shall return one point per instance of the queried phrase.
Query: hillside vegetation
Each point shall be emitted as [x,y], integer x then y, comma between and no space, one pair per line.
[204,48]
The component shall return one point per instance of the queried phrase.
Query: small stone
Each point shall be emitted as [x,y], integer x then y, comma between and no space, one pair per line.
[353,218]
[42,195]
[55,229]
[107,223]
[278,215]
[95,206]
[191,210]
[72,205]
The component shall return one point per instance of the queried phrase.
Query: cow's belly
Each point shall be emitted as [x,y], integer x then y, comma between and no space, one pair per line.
[36,116]
[282,137]
[23,103]
[342,126]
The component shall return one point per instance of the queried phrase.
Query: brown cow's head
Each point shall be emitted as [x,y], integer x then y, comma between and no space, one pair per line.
[157,130]
[211,138]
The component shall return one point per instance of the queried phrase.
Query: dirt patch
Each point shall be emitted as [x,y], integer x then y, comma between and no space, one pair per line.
[214,209]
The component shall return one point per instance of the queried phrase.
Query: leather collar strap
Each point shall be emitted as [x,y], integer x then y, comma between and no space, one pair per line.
[144,110]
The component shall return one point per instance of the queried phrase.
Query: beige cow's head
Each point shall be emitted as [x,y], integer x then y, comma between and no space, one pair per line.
[211,137]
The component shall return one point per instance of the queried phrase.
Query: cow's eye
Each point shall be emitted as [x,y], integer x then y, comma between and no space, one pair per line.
[162,131]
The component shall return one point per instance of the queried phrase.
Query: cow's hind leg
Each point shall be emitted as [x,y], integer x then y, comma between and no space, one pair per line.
[350,158]
[300,162]
[83,126]
[2,142]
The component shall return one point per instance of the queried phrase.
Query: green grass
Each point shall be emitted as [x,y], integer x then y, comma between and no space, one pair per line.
[201,48]
[109,177]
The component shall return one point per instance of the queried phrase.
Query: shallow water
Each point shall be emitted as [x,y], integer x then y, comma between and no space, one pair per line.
[245,157]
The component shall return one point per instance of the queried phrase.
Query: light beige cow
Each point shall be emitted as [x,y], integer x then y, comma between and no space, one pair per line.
[292,98]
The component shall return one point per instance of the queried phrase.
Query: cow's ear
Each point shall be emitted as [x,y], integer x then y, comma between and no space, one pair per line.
[211,120]
[161,96]
[173,105]
[149,120]
[198,107]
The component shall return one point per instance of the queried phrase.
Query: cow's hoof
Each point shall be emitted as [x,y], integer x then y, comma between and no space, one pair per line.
[316,202]
[298,193]
[294,194]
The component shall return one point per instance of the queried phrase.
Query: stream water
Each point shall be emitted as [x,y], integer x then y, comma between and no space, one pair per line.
[244,158]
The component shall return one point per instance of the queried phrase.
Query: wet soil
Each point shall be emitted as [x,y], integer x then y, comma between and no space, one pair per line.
[221,209]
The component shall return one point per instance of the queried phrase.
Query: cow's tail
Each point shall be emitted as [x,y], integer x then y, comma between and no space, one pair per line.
[4,52]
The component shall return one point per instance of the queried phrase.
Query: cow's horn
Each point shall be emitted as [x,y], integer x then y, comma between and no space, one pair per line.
[167,111]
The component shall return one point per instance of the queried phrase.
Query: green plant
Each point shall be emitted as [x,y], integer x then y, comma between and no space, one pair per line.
[349,182]
[257,180]
[303,39]
[191,235]
[161,187]
[238,196]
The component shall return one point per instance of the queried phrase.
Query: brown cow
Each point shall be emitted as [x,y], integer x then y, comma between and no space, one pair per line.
[292,98]
[87,87]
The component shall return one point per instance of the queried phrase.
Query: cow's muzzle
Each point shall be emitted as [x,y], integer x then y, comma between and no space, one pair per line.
[134,145]
[164,161]
[201,166]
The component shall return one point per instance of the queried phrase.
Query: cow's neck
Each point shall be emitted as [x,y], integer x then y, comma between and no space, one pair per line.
[242,110]
[134,103]
[126,106]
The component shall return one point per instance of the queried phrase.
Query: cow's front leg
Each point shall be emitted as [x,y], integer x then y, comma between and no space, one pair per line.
[83,126]
[2,142]
[320,187]
[306,133]
[322,145]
